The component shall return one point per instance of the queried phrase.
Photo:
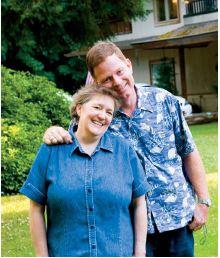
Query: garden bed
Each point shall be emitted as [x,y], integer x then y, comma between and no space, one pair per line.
[201,118]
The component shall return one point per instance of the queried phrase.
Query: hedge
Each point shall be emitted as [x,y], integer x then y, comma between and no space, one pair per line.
[30,104]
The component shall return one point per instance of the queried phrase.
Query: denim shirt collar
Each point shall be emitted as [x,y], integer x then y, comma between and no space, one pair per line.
[104,143]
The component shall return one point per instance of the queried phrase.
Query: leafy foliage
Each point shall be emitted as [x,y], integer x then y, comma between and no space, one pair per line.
[37,34]
[30,104]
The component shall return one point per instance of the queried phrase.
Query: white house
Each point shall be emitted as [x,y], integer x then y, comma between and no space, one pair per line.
[181,35]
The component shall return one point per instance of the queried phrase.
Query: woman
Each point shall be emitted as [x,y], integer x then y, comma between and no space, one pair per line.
[87,187]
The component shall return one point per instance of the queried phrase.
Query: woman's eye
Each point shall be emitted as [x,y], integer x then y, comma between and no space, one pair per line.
[110,113]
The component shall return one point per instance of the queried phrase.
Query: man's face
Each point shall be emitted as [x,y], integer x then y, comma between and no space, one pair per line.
[116,74]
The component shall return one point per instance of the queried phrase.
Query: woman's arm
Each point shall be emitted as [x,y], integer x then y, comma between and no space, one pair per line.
[140,226]
[38,228]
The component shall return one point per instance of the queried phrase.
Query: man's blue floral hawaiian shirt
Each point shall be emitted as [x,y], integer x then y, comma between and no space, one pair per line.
[159,133]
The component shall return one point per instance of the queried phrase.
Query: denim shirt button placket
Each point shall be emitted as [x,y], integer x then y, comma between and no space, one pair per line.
[90,207]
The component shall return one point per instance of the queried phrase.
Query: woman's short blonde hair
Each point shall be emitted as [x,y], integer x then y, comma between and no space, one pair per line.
[85,94]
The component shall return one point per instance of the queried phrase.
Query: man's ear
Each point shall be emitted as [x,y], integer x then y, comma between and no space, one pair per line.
[129,64]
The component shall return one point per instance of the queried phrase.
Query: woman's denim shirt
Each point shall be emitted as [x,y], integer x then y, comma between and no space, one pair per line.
[87,197]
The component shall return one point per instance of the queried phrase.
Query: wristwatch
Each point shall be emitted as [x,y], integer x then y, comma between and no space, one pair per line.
[207,202]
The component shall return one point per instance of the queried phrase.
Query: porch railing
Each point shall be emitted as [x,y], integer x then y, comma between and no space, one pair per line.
[196,7]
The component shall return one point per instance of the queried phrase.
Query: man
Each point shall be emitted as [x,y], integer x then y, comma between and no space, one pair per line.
[152,121]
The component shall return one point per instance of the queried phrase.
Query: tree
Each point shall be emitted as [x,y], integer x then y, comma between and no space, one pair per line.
[36,35]
[30,104]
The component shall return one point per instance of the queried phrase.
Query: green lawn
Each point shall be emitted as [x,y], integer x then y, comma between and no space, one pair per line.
[16,240]
[206,138]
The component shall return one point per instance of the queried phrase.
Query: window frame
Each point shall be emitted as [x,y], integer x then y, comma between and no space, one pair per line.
[170,60]
[166,21]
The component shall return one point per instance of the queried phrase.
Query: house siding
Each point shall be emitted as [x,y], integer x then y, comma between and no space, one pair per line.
[200,60]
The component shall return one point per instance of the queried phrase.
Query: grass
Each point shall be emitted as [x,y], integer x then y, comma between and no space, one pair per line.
[206,138]
[210,247]
[16,241]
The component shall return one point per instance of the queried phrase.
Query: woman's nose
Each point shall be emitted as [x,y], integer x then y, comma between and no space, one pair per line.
[101,114]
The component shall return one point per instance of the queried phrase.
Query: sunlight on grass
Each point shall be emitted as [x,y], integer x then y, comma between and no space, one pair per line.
[16,241]
[16,204]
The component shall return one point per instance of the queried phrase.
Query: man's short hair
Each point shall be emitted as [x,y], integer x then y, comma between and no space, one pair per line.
[99,52]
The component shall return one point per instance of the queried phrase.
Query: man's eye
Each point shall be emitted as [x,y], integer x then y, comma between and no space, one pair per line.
[107,80]
[120,72]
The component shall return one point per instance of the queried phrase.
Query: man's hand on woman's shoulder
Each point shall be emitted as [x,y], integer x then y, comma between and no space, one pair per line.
[56,135]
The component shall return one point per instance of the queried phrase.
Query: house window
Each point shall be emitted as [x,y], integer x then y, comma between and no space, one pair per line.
[166,11]
[162,74]
[121,27]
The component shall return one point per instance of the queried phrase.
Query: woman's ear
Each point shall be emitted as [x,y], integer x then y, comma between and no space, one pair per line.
[78,109]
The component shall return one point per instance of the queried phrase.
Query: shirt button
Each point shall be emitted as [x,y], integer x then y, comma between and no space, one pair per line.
[149,193]
[89,190]
[93,246]
[91,209]
[92,227]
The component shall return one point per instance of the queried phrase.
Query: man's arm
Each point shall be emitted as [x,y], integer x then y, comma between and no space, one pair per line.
[196,173]
[140,226]
[56,135]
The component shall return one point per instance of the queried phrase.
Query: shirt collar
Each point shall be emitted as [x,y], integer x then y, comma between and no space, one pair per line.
[104,143]
[143,98]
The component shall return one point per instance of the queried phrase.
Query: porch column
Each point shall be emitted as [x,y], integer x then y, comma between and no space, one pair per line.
[182,72]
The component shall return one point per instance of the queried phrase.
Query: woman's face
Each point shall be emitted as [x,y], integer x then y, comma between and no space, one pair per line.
[95,116]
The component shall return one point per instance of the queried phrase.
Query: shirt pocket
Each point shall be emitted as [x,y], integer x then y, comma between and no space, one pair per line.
[155,141]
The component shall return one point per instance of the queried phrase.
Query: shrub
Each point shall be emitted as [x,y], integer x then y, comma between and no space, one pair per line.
[30,104]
